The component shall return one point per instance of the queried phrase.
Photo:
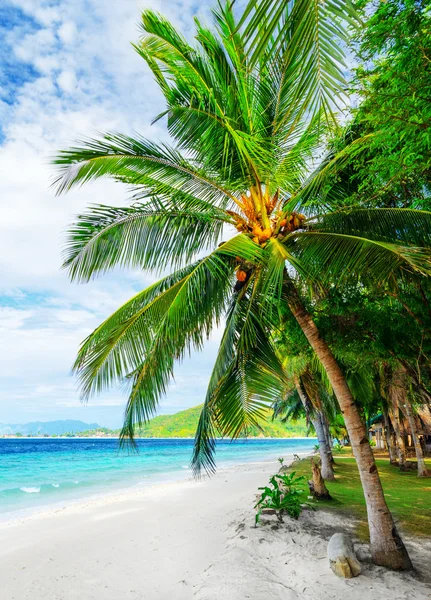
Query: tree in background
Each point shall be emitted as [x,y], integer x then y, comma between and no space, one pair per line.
[393,82]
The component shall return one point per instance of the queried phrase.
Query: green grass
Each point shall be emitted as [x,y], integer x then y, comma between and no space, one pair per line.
[408,496]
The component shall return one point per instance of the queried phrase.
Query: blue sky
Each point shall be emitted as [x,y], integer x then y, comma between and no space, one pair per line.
[67,70]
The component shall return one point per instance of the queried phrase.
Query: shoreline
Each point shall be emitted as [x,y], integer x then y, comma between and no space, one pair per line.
[116,437]
[130,492]
[190,540]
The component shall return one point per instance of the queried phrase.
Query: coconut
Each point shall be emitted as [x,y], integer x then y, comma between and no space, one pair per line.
[241,275]
[265,235]
[257,231]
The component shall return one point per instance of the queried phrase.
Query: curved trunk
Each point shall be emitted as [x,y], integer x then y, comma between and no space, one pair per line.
[389,439]
[316,419]
[387,548]
[422,470]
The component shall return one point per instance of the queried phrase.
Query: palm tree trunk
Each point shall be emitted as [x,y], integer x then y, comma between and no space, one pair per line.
[394,413]
[387,548]
[316,418]
[328,440]
[327,463]
[389,439]
[422,470]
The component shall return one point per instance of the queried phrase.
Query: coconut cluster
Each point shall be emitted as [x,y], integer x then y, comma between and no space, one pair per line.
[261,221]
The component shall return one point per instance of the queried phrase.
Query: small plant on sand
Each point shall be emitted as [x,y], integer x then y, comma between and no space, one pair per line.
[338,447]
[281,461]
[281,495]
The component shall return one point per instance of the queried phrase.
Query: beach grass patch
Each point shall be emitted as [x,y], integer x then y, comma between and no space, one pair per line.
[407,495]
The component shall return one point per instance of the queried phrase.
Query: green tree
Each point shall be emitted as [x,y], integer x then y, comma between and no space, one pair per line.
[247,108]
[392,125]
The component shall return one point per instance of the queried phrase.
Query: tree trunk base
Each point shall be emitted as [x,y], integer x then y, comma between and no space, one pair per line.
[395,558]
[319,495]
[409,465]
[317,487]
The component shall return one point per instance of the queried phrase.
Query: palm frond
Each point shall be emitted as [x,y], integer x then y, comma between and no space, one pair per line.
[247,378]
[198,305]
[152,235]
[307,37]
[335,256]
[160,170]
[394,225]
[327,186]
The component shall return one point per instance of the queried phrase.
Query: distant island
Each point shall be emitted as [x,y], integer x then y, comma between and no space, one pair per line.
[180,425]
[48,428]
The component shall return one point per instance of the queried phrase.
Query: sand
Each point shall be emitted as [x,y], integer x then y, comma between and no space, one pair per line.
[189,540]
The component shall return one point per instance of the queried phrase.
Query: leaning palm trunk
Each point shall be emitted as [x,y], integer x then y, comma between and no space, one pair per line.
[316,419]
[389,438]
[422,470]
[387,548]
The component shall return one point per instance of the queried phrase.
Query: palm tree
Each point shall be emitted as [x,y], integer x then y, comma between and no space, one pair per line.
[306,386]
[247,108]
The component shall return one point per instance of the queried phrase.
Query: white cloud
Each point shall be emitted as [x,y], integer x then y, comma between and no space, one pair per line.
[74,317]
[67,81]
[12,318]
[67,32]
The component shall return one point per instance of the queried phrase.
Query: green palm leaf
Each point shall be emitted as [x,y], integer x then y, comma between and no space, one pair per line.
[402,225]
[247,377]
[149,236]
[306,37]
[158,169]
[335,256]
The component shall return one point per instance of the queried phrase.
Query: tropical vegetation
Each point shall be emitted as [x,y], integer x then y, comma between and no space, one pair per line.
[407,495]
[261,209]
[185,423]
[282,495]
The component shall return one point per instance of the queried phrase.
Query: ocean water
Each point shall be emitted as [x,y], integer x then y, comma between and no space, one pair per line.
[39,472]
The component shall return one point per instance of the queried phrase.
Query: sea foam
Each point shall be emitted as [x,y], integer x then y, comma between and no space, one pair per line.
[30,490]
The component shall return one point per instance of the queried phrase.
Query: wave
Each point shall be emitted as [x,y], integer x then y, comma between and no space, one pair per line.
[55,485]
[30,490]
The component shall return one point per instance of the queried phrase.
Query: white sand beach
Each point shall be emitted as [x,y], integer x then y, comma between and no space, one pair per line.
[189,540]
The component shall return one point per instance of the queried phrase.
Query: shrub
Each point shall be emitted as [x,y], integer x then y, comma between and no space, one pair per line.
[282,495]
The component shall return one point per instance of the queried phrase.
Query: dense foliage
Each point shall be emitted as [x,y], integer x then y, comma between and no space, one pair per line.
[392,124]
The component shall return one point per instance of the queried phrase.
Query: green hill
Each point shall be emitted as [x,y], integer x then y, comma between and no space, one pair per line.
[184,423]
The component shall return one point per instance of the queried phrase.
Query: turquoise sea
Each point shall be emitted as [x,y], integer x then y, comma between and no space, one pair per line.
[39,472]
